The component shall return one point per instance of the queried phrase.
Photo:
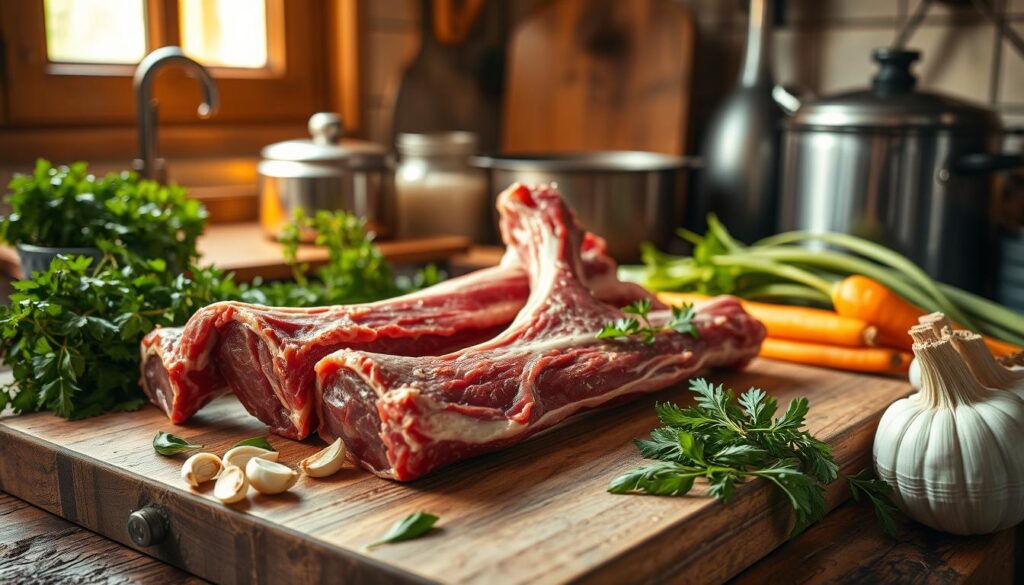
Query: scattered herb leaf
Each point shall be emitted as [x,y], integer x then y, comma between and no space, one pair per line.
[726,441]
[260,442]
[412,526]
[168,444]
[879,493]
[640,326]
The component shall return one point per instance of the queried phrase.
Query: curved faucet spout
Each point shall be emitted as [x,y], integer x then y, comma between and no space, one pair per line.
[148,162]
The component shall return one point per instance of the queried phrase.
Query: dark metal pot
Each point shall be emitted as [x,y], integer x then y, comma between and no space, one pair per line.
[910,169]
[626,197]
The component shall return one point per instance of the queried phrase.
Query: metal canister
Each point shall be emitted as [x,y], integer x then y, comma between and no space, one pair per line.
[326,172]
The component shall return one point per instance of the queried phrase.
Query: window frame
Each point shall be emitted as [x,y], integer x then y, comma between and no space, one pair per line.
[310,68]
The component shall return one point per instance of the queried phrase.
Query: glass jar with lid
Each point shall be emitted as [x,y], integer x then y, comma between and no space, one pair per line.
[438,192]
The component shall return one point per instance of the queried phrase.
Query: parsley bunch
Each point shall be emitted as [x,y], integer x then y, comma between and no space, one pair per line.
[640,326]
[726,441]
[66,207]
[71,333]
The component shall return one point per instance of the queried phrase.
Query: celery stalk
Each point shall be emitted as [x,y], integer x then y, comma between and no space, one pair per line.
[879,253]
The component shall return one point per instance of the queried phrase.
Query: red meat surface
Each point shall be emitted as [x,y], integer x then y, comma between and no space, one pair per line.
[403,416]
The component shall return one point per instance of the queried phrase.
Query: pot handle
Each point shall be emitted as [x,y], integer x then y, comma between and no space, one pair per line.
[983,163]
[790,98]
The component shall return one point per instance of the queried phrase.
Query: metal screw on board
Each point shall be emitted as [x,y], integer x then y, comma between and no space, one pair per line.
[148,526]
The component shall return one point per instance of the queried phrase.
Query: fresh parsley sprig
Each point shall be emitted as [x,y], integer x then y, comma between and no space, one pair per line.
[640,326]
[726,441]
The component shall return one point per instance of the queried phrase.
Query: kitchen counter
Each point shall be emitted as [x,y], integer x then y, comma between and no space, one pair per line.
[243,248]
[844,547]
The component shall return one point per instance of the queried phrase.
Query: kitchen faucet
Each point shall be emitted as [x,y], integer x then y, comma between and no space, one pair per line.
[149,164]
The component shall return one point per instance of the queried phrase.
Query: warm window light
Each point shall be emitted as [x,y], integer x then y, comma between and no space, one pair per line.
[225,33]
[95,31]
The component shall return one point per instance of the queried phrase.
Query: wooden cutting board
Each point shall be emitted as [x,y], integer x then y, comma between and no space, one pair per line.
[535,513]
[588,75]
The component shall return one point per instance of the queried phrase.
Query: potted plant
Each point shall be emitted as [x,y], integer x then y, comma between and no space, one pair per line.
[65,210]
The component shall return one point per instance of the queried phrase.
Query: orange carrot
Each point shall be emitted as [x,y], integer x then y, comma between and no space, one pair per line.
[860,359]
[797,323]
[863,298]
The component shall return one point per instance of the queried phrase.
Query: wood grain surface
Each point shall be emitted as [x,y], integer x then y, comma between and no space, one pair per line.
[588,75]
[535,513]
[847,547]
[38,548]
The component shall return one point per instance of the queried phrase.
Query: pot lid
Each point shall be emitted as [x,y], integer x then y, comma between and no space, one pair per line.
[600,161]
[328,148]
[892,102]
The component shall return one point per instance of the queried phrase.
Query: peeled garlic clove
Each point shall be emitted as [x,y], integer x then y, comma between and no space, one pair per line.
[325,462]
[231,486]
[268,477]
[201,468]
[240,456]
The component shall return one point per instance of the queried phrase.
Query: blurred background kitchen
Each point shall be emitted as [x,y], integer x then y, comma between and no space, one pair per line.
[737,107]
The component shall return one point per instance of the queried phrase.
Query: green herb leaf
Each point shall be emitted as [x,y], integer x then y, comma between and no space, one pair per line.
[168,444]
[682,320]
[661,479]
[260,442]
[726,441]
[412,526]
[879,493]
[625,328]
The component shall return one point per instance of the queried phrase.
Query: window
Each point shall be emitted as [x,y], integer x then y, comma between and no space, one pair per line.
[225,33]
[77,31]
[69,63]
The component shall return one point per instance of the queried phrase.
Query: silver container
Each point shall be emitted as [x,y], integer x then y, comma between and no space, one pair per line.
[626,197]
[326,173]
[909,169]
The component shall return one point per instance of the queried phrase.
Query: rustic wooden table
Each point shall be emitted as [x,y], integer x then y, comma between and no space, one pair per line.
[38,547]
[845,547]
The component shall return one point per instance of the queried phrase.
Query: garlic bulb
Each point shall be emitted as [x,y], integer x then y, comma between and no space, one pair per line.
[326,461]
[240,456]
[951,451]
[268,477]
[914,374]
[200,468]
[231,486]
[984,365]
[938,322]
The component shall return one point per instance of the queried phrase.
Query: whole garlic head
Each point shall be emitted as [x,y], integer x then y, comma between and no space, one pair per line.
[325,462]
[201,468]
[240,456]
[268,477]
[231,486]
[951,452]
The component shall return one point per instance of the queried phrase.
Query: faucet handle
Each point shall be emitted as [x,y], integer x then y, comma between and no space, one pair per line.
[326,128]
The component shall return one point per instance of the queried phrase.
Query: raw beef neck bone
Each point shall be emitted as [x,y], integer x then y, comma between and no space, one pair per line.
[402,416]
[266,355]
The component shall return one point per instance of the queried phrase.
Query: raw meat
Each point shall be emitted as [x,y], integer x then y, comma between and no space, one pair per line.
[266,355]
[402,416]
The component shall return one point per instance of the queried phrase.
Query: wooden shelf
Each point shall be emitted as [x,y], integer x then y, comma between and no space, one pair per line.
[244,248]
